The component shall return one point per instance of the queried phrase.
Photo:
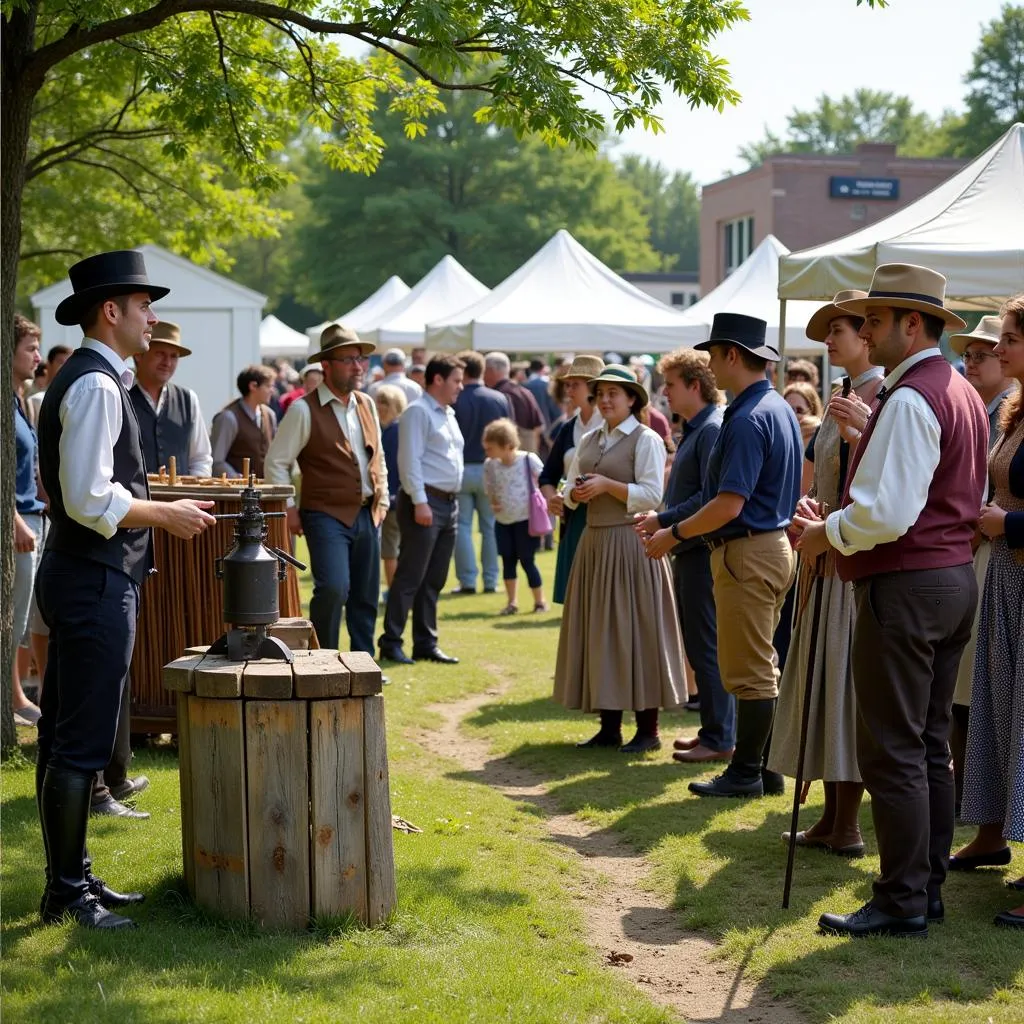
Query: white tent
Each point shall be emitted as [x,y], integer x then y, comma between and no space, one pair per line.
[445,289]
[367,313]
[563,298]
[753,288]
[278,340]
[970,228]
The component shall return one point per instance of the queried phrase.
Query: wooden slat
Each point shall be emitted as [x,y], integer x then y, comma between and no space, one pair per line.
[197,649]
[219,807]
[179,674]
[338,819]
[319,675]
[276,752]
[380,852]
[365,672]
[219,677]
[268,678]
[294,632]
[188,851]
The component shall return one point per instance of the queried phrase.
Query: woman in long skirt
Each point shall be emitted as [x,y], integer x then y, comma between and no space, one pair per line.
[831,753]
[619,648]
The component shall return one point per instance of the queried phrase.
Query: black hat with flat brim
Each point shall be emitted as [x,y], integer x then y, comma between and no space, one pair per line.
[105,276]
[746,331]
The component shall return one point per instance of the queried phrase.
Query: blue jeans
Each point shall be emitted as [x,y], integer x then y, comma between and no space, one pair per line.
[472,497]
[345,562]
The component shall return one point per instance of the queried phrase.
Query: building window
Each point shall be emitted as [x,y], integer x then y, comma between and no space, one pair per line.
[678,299]
[858,212]
[693,298]
[738,242]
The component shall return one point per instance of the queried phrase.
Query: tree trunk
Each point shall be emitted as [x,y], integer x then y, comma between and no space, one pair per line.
[19,90]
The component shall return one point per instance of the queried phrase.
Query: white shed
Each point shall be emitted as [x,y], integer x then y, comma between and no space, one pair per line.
[220,322]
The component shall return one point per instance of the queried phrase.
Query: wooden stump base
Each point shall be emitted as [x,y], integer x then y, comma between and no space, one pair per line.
[285,806]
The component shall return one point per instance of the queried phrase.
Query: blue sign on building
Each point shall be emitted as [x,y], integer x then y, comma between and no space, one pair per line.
[864,188]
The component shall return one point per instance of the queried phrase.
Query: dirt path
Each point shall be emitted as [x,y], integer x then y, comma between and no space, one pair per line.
[628,926]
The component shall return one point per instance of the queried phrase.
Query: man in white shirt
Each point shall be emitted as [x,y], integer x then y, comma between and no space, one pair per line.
[334,435]
[430,464]
[394,365]
[97,555]
[903,536]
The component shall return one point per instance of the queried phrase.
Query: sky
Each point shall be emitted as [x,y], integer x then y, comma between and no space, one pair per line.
[792,51]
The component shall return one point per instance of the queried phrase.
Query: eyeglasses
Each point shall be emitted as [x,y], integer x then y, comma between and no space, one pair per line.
[348,360]
[978,357]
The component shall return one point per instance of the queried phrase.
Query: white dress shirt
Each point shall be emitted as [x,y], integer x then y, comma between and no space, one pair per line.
[200,455]
[890,487]
[412,391]
[293,435]
[224,430]
[429,449]
[91,417]
[646,492]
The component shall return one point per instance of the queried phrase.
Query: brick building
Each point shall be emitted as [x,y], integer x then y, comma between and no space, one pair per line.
[678,288]
[805,199]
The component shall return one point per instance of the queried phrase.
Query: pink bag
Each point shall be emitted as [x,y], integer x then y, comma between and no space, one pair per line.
[540,521]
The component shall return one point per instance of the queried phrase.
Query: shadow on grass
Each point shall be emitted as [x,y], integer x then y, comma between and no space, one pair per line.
[528,623]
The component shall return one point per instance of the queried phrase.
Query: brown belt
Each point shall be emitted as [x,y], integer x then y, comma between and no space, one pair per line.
[717,542]
[438,493]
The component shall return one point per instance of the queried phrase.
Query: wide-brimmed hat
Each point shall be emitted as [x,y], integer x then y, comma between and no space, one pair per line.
[169,334]
[739,329]
[818,325]
[105,276]
[310,367]
[989,330]
[337,335]
[583,368]
[624,377]
[906,286]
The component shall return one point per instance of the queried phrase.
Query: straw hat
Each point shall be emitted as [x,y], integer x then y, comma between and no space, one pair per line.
[817,326]
[905,286]
[169,334]
[336,336]
[624,377]
[584,368]
[989,330]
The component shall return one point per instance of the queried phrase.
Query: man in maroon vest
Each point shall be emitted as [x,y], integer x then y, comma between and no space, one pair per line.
[903,536]
[334,435]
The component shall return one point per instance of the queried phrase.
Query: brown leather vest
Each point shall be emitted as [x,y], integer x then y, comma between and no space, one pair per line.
[331,481]
[251,442]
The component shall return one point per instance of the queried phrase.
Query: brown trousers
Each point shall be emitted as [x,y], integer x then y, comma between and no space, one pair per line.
[909,634]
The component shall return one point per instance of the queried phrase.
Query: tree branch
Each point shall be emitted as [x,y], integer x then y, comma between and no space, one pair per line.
[36,253]
[424,73]
[227,87]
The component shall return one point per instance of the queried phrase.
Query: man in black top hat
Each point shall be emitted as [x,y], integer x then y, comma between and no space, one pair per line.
[750,491]
[96,557]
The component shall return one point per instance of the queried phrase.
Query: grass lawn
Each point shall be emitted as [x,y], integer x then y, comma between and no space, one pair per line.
[488,927]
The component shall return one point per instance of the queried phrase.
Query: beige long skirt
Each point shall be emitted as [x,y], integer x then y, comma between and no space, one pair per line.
[620,647]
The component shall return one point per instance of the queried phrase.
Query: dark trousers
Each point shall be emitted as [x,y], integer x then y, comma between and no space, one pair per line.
[345,562]
[116,770]
[517,547]
[695,603]
[423,561]
[910,631]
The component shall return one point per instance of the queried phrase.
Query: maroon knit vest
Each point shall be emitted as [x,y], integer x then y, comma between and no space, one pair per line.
[942,535]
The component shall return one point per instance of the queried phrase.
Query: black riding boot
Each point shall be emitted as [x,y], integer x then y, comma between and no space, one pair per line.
[64,799]
[743,776]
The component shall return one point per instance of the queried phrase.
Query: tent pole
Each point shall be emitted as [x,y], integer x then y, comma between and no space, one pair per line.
[780,374]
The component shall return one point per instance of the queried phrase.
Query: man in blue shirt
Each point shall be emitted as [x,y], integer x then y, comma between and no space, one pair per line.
[750,491]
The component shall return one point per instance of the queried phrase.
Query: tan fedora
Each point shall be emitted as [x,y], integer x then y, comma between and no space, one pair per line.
[906,286]
[169,334]
[584,368]
[335,336]
[624,377]
[818,325]
[989,330]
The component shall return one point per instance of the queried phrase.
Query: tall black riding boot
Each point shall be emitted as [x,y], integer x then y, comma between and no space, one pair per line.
[743,776]
[65,798]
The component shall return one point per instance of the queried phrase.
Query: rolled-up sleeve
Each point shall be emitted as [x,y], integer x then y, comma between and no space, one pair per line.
[91,419]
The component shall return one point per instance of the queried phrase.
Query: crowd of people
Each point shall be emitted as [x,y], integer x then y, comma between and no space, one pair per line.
[842,579]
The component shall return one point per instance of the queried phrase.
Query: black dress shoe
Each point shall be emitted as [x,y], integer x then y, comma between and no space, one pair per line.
[772,783]
[1006,919]
[869,920]
[602,739]
[112,808]
[397,655]
[436,655]
[109,898]
[936,911]
[88,912]
[130,788]
[641,744]
[462,591]
[980,860]
[728,785]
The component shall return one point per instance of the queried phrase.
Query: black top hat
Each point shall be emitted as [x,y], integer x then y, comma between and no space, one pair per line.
[104,276]
[747,331]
